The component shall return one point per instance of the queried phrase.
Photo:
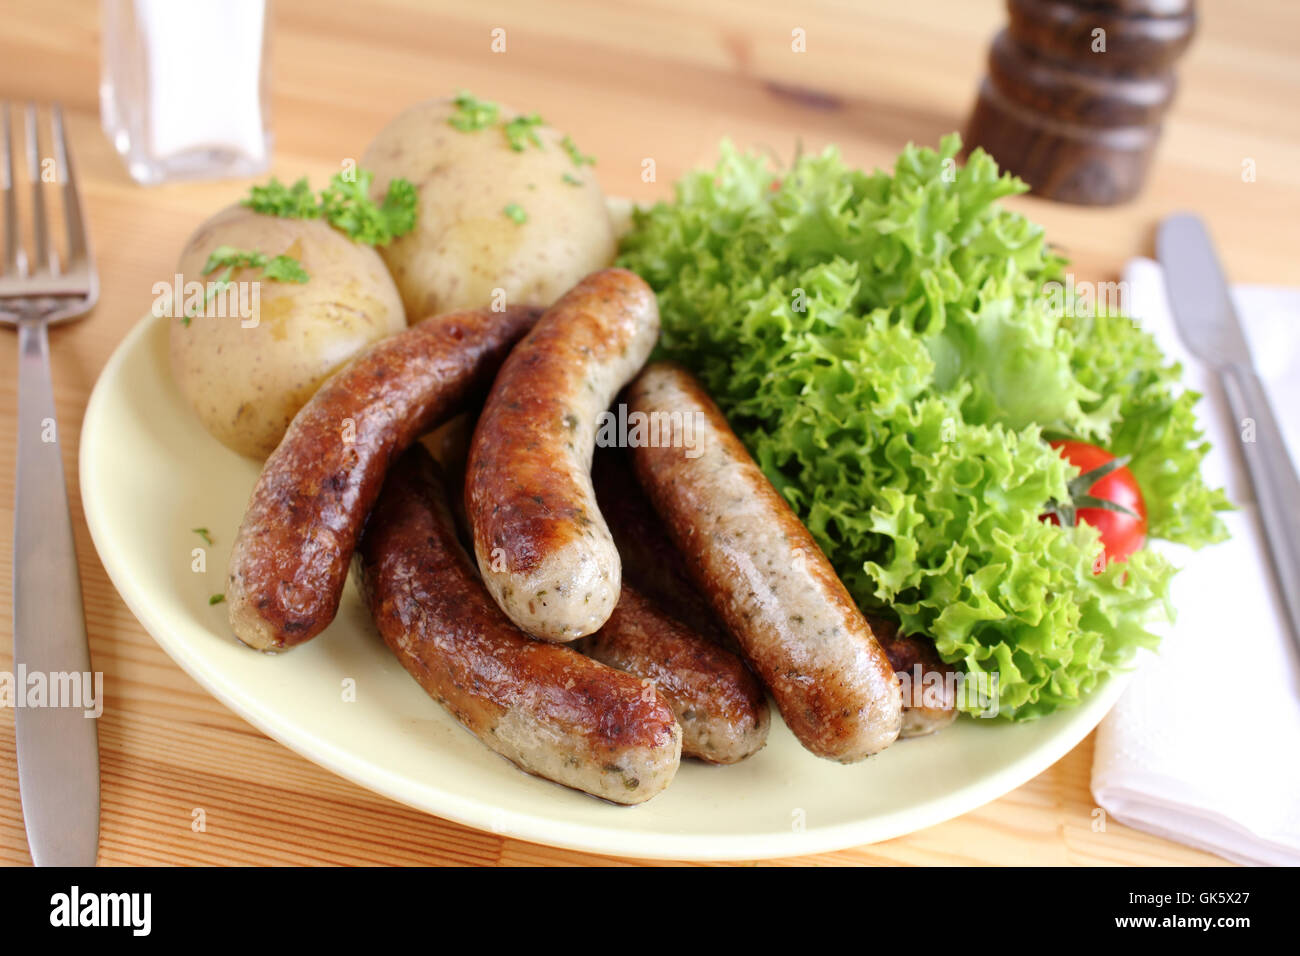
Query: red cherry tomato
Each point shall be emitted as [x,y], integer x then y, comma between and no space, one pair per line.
[1121,534]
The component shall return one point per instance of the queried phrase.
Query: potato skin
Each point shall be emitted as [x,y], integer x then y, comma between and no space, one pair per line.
[246,384]
[464,246]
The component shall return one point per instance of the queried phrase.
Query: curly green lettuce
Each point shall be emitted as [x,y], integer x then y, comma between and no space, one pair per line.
[883,345]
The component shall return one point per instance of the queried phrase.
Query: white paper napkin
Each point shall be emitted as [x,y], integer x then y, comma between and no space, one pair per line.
[1204,746]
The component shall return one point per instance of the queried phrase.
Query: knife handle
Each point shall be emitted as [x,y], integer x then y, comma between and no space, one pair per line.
[1277,489]
[57,747]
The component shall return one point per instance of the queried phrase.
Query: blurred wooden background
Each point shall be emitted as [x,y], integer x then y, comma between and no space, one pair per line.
[665,79]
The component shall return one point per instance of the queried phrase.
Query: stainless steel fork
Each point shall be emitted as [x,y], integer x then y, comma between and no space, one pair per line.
[58,746]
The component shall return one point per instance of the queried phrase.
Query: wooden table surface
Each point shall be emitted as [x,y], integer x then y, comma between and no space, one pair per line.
[657,78]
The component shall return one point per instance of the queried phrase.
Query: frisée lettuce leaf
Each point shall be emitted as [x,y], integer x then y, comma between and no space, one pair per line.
[882,344]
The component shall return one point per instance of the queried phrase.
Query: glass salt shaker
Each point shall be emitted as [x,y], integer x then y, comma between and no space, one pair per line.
[184,87]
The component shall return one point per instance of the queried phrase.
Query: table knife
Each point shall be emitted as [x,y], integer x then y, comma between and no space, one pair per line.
[1208,325]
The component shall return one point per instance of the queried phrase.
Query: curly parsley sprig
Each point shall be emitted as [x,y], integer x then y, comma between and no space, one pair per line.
[227,258]
[288,202]
[345,204]
[579,158]
[522,130]
[473,114]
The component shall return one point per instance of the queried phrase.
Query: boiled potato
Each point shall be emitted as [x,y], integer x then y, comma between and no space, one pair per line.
[246,377]
[465,245]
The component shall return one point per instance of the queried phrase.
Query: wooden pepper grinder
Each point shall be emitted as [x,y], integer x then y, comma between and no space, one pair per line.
[1076,91]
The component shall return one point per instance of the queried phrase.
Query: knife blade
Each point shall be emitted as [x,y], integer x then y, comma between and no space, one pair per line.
[1198,292]
[1209,327]
[57,745]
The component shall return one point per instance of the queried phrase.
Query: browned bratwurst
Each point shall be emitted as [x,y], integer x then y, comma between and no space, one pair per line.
[929,688]
[653,565]
[651,562]
[545,707]
[290,559]
[721,706]
[763,573]
[544,551]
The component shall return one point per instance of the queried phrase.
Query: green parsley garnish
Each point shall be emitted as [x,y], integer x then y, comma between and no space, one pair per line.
[348,207]
[473,114]
[285,269]
[287,202]
[571,179]
[216,599]
[228,259]
[203,533]
[575,154]
[345,203]
[516,212]
[233,258]
[521,131]
[275,268]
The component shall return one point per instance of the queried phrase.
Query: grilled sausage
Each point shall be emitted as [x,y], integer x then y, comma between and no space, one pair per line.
[763,573]
[290,559]
[721,706]
[545,707]
[651,562]
[542,546]
[929,690]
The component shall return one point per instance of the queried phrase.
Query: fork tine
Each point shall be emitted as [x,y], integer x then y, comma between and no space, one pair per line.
[73,215]
[13,265]
[41,252]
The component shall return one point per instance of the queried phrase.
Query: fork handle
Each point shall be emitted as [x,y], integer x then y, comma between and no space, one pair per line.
[58,752]
[1272,475]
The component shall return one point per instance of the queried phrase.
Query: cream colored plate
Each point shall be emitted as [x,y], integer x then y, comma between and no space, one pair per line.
[150,473]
